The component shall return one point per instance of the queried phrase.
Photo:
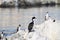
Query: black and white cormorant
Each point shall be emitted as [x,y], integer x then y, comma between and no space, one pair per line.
[18,27]
[30,26]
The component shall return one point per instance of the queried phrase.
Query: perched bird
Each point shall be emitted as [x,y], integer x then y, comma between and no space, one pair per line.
[1,35]
[46,16]
[30,26]
[18,28]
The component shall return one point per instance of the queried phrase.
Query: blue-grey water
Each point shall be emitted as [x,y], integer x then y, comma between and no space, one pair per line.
[10,18]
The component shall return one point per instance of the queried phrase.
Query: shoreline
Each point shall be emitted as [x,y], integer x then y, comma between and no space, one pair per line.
[29,5]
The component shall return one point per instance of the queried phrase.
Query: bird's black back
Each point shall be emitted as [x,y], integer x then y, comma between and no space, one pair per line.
[30,26]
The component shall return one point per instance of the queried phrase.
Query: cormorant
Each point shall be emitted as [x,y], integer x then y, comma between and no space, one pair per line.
[18,28]
[30,26]
[46,16]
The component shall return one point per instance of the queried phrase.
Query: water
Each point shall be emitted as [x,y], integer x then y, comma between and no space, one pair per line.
[10,18]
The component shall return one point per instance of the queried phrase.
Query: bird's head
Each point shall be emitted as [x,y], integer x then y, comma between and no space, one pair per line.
[33,17]
[19,25]
[46,12]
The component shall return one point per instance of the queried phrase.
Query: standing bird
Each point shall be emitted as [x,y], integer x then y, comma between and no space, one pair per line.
[30,26]
[18,28]
[46,16]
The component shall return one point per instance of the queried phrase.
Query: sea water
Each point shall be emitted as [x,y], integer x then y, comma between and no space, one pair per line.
[10,18]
